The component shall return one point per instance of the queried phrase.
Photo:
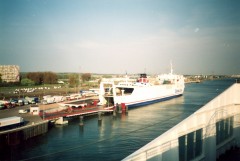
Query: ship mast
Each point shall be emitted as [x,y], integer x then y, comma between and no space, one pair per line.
[171,68]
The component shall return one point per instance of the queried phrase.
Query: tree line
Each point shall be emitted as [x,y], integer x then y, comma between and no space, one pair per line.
[39,78]
[42,77]
[74,79]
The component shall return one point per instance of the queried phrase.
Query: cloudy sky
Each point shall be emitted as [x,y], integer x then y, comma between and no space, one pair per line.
[118,36]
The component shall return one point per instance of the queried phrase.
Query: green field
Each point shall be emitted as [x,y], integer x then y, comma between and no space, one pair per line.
[40,90]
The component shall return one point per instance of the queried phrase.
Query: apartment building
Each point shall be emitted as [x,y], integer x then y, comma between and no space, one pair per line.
[9,73]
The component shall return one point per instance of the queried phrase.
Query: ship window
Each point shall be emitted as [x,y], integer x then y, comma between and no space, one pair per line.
[224,130]
[190,145]
[127,90]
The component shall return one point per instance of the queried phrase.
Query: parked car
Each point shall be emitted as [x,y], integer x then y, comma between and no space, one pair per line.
[7,104]
[22,111]
[2,105]
[32,100]
[16,102]
[24,101]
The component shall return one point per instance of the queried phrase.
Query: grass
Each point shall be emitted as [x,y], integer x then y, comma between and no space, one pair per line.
[7,92]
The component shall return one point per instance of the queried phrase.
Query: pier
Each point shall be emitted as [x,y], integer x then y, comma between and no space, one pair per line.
[74,109]
[16,135]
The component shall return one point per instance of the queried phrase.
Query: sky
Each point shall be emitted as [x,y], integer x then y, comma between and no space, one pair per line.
[119,36]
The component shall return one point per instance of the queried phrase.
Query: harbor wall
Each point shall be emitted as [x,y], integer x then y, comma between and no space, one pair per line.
[15,136]
[204,135]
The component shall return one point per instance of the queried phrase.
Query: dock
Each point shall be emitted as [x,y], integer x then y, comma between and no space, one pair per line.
[35,125]
[83,107]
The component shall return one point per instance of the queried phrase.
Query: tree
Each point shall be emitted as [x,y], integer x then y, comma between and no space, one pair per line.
[49,78]
[73,80]
[42,77]
[37,77]
[86,77]
[27,82]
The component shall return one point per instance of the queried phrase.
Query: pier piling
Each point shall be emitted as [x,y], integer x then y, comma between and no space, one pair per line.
[99,117]
[114,112]
[119,109]
[81,121]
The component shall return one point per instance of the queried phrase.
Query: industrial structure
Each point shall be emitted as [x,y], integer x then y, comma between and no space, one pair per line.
[9,73]
[204,135]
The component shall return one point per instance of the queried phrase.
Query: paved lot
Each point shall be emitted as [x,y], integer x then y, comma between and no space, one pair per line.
[14,112]
[29,118]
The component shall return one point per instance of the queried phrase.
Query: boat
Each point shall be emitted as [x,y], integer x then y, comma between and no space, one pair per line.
[142,91]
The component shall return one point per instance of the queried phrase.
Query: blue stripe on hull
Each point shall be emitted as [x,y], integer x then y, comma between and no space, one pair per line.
[153,101]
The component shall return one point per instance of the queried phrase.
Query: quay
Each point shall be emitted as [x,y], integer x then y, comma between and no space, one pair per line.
[35,125]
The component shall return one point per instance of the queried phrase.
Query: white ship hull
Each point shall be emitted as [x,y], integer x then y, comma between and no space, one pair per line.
[139,93]
[147,95]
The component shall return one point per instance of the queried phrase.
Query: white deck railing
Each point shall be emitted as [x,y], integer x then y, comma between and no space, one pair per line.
[166,146]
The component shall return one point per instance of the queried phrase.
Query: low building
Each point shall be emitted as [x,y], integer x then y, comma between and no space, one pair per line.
[9,73]
[34,110]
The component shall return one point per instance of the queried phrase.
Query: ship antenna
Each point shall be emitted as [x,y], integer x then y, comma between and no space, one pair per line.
[171,67]
[126,76]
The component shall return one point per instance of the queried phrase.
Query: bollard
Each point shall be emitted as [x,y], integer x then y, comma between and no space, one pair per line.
[81,121]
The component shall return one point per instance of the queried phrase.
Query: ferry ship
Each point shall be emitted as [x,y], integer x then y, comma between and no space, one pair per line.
[145,90]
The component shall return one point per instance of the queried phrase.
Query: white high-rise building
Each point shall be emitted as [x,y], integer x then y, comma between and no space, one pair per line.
[10,73]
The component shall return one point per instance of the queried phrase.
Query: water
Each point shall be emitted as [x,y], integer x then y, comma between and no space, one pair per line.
[116,138]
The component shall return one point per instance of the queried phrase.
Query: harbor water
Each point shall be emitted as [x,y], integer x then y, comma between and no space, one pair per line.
[114,138]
